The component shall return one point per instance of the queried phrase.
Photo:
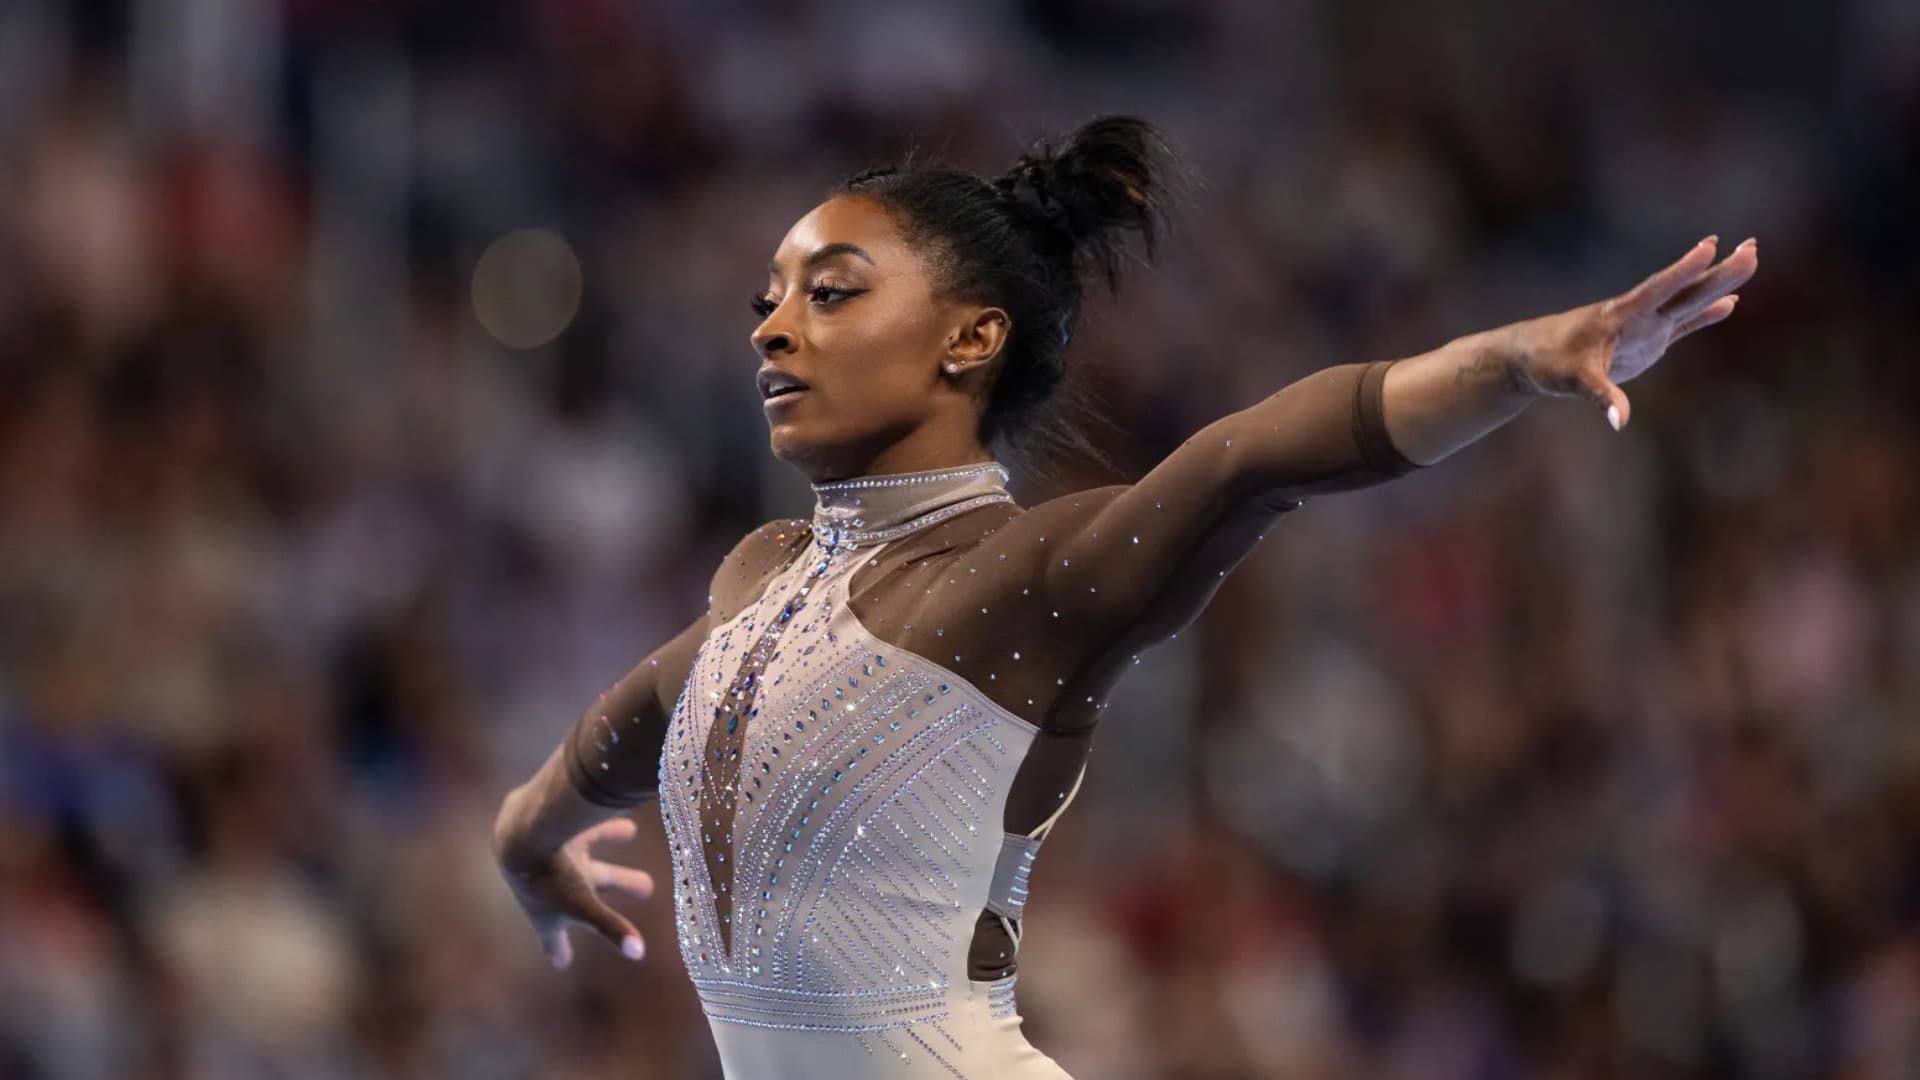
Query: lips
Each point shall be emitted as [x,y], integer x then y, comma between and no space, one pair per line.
[775,383]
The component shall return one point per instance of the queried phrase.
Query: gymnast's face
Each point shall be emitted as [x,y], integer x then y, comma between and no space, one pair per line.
[852,311]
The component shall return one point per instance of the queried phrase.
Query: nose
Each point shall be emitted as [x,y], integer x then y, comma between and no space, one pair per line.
[769,339]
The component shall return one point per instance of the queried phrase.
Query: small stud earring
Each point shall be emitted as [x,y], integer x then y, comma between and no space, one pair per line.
[952,368]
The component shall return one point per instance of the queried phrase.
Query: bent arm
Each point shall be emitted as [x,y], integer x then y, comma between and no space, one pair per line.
[609,760]
[612,755]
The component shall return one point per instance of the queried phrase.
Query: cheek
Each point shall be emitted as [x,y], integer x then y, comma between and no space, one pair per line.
[899,328]
[885,353]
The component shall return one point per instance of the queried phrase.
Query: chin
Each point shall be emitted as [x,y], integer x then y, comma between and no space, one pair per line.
[817,457]
[791,448]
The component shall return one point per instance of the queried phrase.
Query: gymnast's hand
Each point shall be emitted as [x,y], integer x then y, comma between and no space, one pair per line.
[562,888]
[1589,351]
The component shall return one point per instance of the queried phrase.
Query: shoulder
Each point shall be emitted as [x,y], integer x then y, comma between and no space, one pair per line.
[1029,535]
[1075,505]
[1014,551]
[781,535]
[770,546]
[757,556]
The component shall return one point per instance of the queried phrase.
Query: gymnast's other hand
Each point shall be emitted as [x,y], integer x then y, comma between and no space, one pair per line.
[1589,351]
[563,886]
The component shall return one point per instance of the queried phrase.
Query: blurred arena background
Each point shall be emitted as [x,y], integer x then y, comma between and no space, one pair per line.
[375,389]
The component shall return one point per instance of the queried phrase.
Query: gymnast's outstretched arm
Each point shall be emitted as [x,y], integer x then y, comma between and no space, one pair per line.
[1345,427]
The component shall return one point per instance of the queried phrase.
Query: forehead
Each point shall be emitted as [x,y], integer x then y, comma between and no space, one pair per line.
[843,220]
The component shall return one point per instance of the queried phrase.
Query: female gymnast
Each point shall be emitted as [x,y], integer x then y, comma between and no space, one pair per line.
[861,743]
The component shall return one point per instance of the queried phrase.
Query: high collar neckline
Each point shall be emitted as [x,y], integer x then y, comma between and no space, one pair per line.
[871,509]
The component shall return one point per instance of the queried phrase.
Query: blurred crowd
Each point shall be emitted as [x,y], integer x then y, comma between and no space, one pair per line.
[375,389]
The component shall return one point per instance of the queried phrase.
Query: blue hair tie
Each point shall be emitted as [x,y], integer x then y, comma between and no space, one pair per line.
[1065,332]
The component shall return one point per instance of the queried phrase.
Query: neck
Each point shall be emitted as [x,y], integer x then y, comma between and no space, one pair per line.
[941,442]
[883,506]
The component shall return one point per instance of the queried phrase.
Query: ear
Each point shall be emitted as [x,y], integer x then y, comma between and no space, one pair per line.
[978,336]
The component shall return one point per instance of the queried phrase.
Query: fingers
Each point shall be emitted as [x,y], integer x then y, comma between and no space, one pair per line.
[1732,273]
[1713,313]
[635,883]
[604,920]
[554,943]
[612,830]
[1603,393]
[610,924]
[1661,287]
[557,900]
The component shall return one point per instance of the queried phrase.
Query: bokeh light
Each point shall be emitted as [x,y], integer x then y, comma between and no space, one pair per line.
[526,288]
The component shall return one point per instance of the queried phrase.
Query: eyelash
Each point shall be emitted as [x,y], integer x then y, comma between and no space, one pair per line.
[763,305]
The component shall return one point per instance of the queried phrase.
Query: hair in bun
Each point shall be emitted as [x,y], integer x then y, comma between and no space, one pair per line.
[1025,241]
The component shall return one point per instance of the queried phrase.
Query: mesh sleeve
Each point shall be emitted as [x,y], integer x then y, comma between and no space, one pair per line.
[613,752]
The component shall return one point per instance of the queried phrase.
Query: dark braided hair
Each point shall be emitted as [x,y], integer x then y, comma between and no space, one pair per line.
[1022,241]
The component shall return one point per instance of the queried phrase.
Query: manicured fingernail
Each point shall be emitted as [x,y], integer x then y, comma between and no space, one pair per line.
[1711,240]
[632,948]
[1613,416]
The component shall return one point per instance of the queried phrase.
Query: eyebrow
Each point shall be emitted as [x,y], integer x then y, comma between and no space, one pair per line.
[825,252]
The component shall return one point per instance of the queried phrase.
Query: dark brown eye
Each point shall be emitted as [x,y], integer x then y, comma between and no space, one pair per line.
[827,294]
[762,305]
